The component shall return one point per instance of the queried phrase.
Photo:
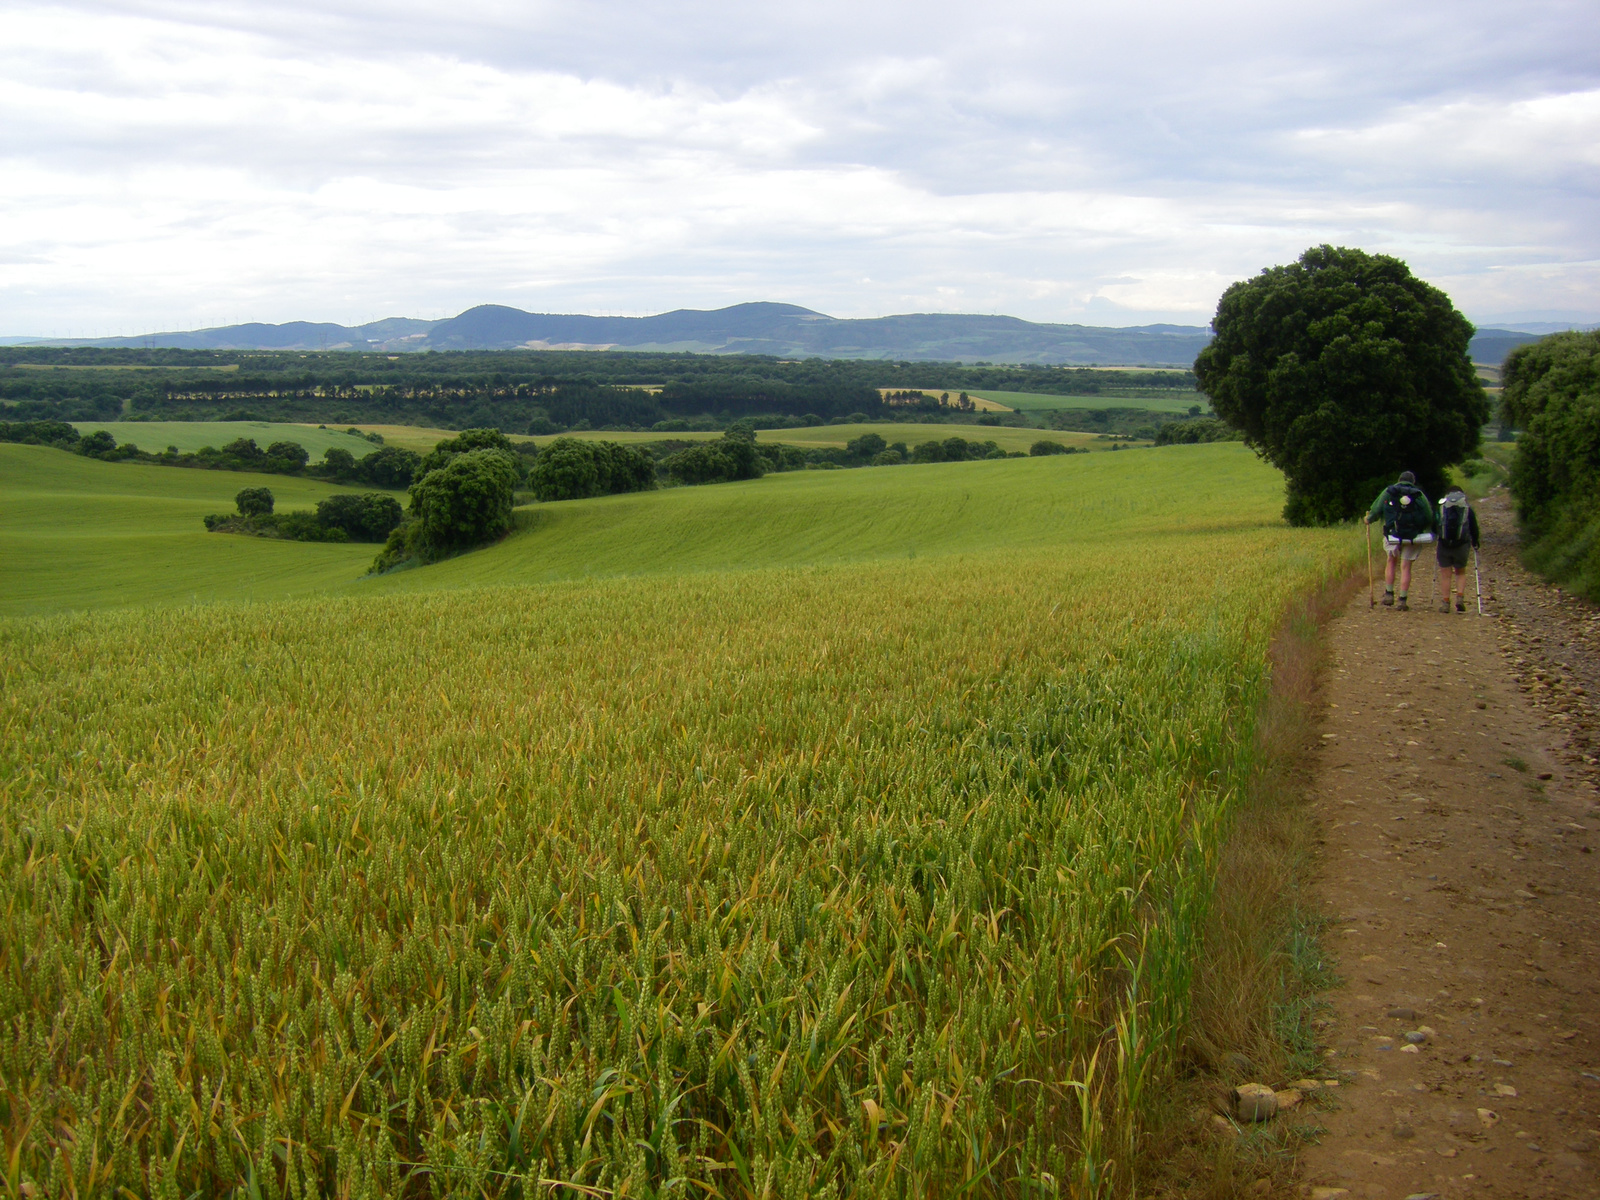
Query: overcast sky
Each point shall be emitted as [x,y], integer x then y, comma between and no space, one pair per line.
[168,164]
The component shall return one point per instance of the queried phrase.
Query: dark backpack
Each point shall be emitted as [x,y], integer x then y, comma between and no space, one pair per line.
[1405,515]
[1454,521]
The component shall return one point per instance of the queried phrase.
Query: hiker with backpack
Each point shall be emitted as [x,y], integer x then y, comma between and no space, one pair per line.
[1407,526]
[1458,535]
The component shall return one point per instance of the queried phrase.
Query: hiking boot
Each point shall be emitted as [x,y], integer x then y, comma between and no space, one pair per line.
[1388,597]
[1400,605]
[1444,606]
[1461,606]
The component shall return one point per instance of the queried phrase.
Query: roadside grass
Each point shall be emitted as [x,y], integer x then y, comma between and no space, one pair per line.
[189,436]
[1263,969]
[1491,469]
[860,872]
[77,533]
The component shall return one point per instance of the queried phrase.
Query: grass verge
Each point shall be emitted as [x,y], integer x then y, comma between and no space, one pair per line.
[1263,970]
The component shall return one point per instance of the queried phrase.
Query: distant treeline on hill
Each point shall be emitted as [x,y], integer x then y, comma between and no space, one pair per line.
[520,391]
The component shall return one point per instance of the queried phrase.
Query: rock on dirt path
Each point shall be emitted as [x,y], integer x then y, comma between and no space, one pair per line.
[1456,790]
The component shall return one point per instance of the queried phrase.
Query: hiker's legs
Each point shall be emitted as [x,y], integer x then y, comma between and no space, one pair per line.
[1388,568]
[1405,576]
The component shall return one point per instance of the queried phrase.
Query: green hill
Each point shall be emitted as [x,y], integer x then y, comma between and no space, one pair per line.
[80,534]
[76,533]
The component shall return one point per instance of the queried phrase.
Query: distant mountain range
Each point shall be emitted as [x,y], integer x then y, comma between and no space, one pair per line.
[781,330]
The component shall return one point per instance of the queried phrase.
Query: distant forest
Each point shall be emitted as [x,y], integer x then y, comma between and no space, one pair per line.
[516,391]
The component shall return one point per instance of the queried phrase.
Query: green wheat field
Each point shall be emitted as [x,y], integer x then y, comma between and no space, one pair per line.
[835,833]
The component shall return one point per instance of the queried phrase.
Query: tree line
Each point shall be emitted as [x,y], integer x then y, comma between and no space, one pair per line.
[388,467]
[1552,392]
[526,391]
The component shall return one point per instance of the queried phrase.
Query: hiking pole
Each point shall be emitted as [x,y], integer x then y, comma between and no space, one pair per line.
[1372,600]
[1477,580]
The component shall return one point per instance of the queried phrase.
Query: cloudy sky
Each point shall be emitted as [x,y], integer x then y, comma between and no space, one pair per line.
[179,163]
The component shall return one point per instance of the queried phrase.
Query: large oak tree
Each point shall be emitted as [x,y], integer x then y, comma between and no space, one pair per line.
[1343,369]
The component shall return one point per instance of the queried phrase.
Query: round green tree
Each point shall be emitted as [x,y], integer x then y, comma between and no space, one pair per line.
[1343,369]
[254,502]
[465,503]
[565,470]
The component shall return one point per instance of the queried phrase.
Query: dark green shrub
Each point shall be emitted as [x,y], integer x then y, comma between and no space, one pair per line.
[866,446]
[97,444]
[465,503]
[243,449]
[292,455]
[254,502]
[391,467]
[1190,433]
[41,433]
[565,470]
[1043,448]
[338,463]
[368,517]
[1552,391]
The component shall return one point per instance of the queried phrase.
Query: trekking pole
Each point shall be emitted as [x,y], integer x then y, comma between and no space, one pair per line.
[1477,580]
[1372,601]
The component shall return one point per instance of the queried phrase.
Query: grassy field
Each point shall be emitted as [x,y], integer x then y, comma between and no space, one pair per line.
[911,434]
[189,436]
[76,533]
[810,518]
[1156,399]
[858,847]
[982,403]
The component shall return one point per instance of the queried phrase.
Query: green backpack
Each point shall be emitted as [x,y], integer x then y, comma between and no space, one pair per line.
[1405,512]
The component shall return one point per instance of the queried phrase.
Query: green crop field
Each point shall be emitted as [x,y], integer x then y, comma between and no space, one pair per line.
[1156,399]
[858,845]
[76,533]
[189,436]
[1007,438]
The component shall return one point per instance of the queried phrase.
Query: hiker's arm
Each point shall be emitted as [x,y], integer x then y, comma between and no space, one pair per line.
[1376,510]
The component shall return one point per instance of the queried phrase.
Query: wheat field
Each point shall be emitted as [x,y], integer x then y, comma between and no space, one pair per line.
[868,878]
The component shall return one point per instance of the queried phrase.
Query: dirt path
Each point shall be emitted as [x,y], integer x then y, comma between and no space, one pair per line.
[1457,792]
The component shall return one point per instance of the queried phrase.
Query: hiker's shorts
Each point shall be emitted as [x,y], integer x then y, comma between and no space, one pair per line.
[1408,550]
[1454,556]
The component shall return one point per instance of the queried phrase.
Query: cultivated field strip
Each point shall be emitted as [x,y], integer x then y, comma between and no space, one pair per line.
[876,879]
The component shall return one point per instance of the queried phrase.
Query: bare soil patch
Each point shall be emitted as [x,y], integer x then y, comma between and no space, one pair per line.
[1458,794]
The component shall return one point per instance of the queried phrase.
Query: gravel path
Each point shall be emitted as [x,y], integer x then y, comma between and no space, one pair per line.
[1457,792]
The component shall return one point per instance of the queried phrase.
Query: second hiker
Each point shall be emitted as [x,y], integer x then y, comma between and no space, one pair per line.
[1407,526]
[1458,535]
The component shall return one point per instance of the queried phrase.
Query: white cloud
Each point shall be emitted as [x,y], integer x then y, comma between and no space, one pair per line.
[180,164]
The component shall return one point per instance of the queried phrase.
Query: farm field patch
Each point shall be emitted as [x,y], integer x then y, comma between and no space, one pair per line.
[813,518]
[1156,399]
[1006,437]
[981,403]
[76,533]
[823,856]
[189,436]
